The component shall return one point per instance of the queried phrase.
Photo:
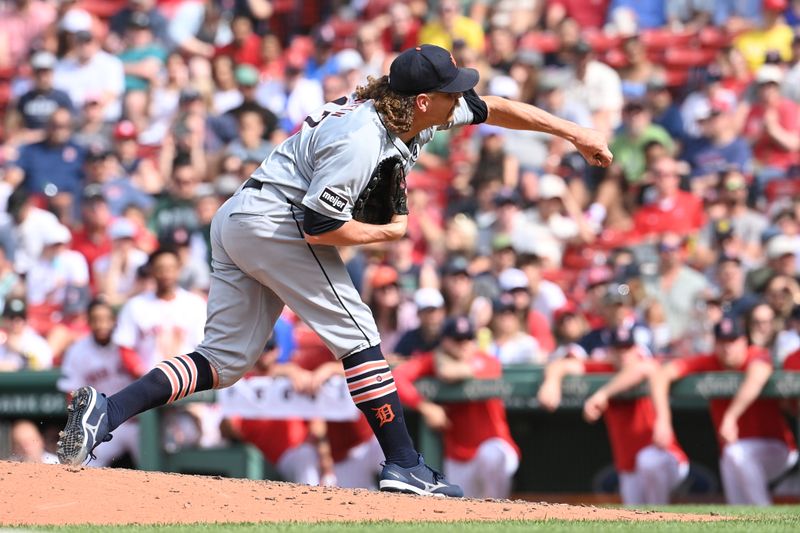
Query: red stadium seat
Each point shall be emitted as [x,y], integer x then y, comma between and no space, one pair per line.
[661,39]
[615,58]
[677,77]
[689,57]
[786,188]
[602,42]
[541,41]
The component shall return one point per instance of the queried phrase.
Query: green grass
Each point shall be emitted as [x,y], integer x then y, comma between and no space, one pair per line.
[743,519]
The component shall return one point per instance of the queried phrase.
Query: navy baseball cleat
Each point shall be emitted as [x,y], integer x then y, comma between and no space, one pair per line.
[87,426]
[420,479]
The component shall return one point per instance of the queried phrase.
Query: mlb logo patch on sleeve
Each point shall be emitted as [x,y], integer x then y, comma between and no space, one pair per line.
[332,199]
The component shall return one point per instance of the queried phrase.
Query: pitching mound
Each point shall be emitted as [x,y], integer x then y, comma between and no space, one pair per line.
[51,494]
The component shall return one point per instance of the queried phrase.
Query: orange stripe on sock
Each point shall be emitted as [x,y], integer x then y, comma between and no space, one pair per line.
[184,376]
[193,373]
[377,393]
[364,367]
[378,378]
[172,378]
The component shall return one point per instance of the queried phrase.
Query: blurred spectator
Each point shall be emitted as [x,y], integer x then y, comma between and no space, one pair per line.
[27,121]
[226,92]
[676,286]
[175,208]
[782,293]
[756,444]
[761,328]
[617,311]
[663,109]
[516,286]
[569,327]
[712,93]
[648,471]
[10,281]
[791,82]
[597,86]
[671,209]
[31,227]
[510,343]
[87,70]
[92,131]
[115,271]
[735,300]
[368,44]
[637,132]
[383,296]
[21,348]
[638,70]
[194,276]
[245,48]
[250,144]
[787,340]
[197,28]
[782,252]
[451,25]
[91,238]
[104,174]
[647,14]
[96,361]
[772,34]
[457,286]
[690,15]
[402,30]
[27,444]
[588,15]
[426,337]
[22,22]
[291,99]
[122,19]
[773,126]
[52,165]
[155,324]
[480,454]
[142,57]
[247,81]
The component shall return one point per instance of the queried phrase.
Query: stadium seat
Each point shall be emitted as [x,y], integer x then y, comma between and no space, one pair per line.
[615,58]
[541,41]
[713,37]
[785,188]
[602,42]
[662,39]
[677,77]
[689,57]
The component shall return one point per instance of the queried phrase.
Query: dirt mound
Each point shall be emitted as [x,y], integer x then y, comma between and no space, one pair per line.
[54,494]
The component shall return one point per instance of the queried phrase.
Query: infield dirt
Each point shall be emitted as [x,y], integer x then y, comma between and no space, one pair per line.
[33,494]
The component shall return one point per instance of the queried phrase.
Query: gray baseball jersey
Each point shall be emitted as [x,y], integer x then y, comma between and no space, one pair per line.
[260,257]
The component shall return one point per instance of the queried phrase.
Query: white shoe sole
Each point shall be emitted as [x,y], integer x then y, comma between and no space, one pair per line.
[391,485]
[77,456]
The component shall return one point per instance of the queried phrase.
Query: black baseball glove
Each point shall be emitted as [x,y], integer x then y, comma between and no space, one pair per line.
[385,194]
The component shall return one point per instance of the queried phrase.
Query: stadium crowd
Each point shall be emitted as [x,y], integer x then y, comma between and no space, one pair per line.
[125,125]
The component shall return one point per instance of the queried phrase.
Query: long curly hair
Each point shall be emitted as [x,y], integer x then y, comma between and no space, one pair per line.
[397,109]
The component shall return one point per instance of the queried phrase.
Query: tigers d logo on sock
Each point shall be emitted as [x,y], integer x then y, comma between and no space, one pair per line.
[384,414]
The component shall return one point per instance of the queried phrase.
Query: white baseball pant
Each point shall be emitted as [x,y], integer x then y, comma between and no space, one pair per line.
[748,465]
[658,472]
[361,466]
[488,474]
[299,465]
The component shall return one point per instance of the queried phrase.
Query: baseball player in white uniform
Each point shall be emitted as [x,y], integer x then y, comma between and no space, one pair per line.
[97,361]
[274,243]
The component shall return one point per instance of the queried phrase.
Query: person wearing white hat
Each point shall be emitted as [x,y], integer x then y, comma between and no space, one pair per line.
[425,338]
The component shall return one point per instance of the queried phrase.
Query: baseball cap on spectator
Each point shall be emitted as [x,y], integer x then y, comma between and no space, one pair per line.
[246,75]
[728,329]
[512,279]
[140,21]
[657,83]
[617,294]
[551,186]
[429,68]
[775,5]
[57,235]
[122,228]
[458,328]
[324,36]
[383,276]
[96,154]
[506,196]
[83,36]
[728,258]
[176,238]
[92,193]
[781,245]
[76,20]
[504,87]
[349,59]
[504,304]
[582,48]
[125,130]
[428,298]
[15,308]
[43,60]
[502,241]
[189,94]
[622,337]
[723,229]
[773,57]
[456,265]
[769,74]
[633,106]
[566,310]
[598,275]
[712,74]
[530,58]
[271,344]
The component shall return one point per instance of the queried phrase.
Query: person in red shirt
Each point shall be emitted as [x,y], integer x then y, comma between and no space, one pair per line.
[756,444]
[284,443]
[672,209]
[792,361]
[92,239]
[246,45]
[480,454]
[647,473]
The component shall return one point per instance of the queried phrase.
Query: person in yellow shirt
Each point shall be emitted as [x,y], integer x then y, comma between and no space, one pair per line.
[452,25]
[774,34]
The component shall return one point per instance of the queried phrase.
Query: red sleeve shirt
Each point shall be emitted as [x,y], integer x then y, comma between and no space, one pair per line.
[630,424]
[766,150]
[471,423]
[682,214]
[792,362]
[763,419]
[272,437]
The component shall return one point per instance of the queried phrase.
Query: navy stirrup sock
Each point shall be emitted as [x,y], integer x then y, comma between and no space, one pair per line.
[170,380]
[372,387]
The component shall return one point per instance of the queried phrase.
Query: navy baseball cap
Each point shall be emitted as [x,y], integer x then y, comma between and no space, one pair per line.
[458,328]
[728,329]
[429,68]
[622,337]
